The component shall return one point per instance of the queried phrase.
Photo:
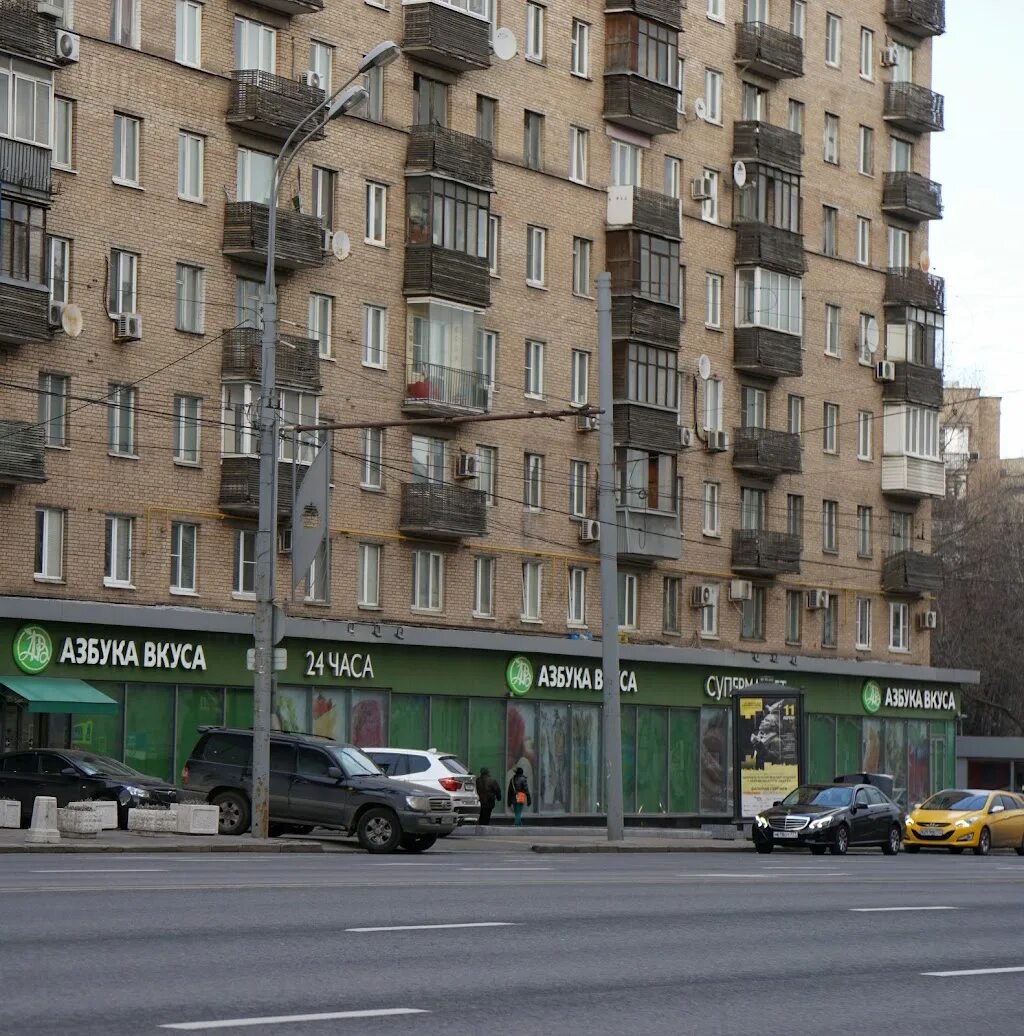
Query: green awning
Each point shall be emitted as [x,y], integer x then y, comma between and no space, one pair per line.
[49,694]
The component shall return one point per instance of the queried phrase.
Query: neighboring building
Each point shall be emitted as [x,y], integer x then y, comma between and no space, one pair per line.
[970,439]
[759,192]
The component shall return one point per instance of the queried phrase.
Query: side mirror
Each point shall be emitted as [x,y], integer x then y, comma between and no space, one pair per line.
[335,773]
[776,804]
[997,809]
[69,771]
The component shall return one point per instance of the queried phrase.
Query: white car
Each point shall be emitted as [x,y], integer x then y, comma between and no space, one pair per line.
[435,770]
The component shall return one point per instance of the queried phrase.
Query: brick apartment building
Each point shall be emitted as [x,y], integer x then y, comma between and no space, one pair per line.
[755,177]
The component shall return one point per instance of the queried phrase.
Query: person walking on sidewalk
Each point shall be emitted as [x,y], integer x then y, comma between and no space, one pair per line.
[488,790]
[518,795]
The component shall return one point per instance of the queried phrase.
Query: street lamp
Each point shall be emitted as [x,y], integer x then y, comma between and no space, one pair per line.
[342,101]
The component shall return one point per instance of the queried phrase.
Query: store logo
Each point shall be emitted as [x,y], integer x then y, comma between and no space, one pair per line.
[33,649]
[871,697]
[519,675]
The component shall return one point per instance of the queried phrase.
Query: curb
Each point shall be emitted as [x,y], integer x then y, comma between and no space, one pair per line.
[244,847]
[610,848]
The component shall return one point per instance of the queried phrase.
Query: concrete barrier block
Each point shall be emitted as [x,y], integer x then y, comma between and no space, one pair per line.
[10,813]
[43,830]
[107,810]
[194,818]
[152,821]
[78,820]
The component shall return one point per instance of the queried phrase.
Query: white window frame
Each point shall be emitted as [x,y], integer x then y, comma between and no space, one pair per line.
[673,177]
[579,148]
[188,33]
[716,10]
[627,600]
[121,399]
[427,581]
[321,61]
[375,336]
[864,355]
[51,535]
[579,377]
[182,581]
[865,517]
[899,626]
[536,248]
[244,574]
[58,268]
[255,45]
[371,458]
[709,207]
[711,518]
[533,482]
[533,369]
[576,605]
[579,485]
[118,530]
[767,289]
[582,249]
[714,405]
[833,329]
[375,230]
[865,421]
[830,428]
[681,83]
[188,413]
[125,28]
[830,526]
[862,632]
[533,590]
[320,322]
[484,569]
[863,241]
[798,19]
[795,414]
[830,139]
[191,151]
[63,133]
[897,247]
[709,616]
[626,164]
[713,300]
[189,298]
[127,154]
[368,558]
[867,54]
[713,96]
[535,16]
[833,40]
[866,151]
[494,245]
[125,270]
[487,476]
[53,409]
[579,49]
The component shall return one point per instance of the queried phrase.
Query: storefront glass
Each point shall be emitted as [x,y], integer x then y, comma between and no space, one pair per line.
[449,725]
[554,758]
[486,737]
[848,747]
[149,722]
[521,741]
[716,761]
[629,758]
[896,757]
[238,707]
[872,757]
[330,714]
[101,734]
[652,774]
[290,710]
[682,760]
[369,726]
[821,756]
[586,759]
[197,706]
[410,718]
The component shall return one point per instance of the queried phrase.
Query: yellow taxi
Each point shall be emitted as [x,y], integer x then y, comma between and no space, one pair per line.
[958,819]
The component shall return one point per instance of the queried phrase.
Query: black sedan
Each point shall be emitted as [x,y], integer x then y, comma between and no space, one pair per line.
[69,775]
[833,817]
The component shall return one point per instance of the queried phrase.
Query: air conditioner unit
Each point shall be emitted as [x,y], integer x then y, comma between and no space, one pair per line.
[586,422]
[467,465]
[718,442]
[928,620]
[702,188]
[55,314]
[127,327]
[817,599]
[741,590]
[68,46]
[311,78]
[890,56]
[284,541]
[703,594]
[590,531]
[685,438]
[885,370]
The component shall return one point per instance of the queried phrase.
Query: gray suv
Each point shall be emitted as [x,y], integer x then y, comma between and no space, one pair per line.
[316,782]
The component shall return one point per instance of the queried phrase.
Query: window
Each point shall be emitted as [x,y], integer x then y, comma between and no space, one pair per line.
[901,155]
[627,601]
[794,615]
[921,430]
[534,369]
[576,612]
[255,46]
[187,32]
[866,151]
[830,526]
[681,82]
[427,581]
[318,578]
[579,471]
[321,61]
[862,636]
[867,338]
[713,96]
[183,557]
[534,32]
[298,408]
[532,574]
[795,515]
[864,421]
[579,49]
[245,562]
[830,139]
[765,298]
[63,133]
[190,166]
[833,39]
[711,521]
[483,587]
[830,622]
[53,409]
[50,530]
[127,131]
[752,615]
[753,507]
[486,117]
[121,401]
[123,281]
[25,101]
[899,626]
[651,375]
[673,173]
[487,472]
[486,356]
[189,298]
[447,213]
[579,140]
[117,553]
[863,531]
[581,266]
[254,172]
[754,407]
[863,241]
[186,429]
[709,616]
[533,133]
[124,22]
[867,54]
[713,405]
[833,323]
[713,300]
[829,230]
[319,321]
[375,329]
[376,213]
[368,575]
[903,72]
[371,474]
[533,478]
[716,10]
[536,243]
[580,377]
[795,117]
[830,428]
[239,432]
[322,185]
[753,103]
[900,531]
[898,242]
[671,590]
[493,242]
[59,249]
[626,164]
[429,101]
[798,18]
[795,415]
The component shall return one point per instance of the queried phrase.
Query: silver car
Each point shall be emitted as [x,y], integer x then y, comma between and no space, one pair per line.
[435,770]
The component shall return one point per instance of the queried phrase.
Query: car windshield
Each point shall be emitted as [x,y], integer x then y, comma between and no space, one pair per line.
[818,796]
[353,762]
[957,801]
[101,766]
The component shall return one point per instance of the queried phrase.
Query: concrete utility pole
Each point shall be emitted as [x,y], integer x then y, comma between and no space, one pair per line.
[609,562]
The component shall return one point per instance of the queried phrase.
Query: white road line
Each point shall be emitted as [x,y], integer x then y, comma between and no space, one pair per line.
[284,1019]
[425,927]
[889,910]
[525,868]
[972,971]
[102,870]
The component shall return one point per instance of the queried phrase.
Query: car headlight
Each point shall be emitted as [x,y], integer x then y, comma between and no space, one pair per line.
[817,825]
[966,822]
[136,792]
[420,803]
[761,820]
[908,820]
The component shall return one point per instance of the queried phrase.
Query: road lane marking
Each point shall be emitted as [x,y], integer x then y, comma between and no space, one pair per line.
[102,870]
[284,1019]
[972,971]
[425,927]
[890,910]
[526,868]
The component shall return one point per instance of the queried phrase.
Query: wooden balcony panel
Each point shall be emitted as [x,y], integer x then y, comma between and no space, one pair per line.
[271,105]
[240,486]
[640,209]
[25,170]
[777,249]
[770,145]
[639,319]
[437,149]
[766,452]
[908,286]
[915,383]
[22,456]
[24,312]
[299,236]
[298,359]
[913,108]
[911,572]
[921,18]
[666,12]
[768,51]
[912,197]
[639,104]
[446,274]
[26,33]
[291,7]
[767,353]
[637,424]
[447,37]
[757,552]
[436,510]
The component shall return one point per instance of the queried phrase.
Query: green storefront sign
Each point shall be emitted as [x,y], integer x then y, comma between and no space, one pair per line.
[32,649]
[871,697]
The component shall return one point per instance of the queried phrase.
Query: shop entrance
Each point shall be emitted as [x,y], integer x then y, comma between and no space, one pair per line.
[20,729]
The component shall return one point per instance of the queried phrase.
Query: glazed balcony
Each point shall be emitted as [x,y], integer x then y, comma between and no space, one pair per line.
[240,486]
[913,108]
[271,105]
[765,452]
[297,359]
[446,274]
[640,104]
[911,572]
[432,389]
[666,12]
[21,453]
[908,286]
[25,170]
[921,18]
[647,536]
[912,197]
[756,552]
[26,33]
[435,510]
[24,312]
[437,149]
[915,383]
[769,52]
[759,244]
[767,353]
[299,236]
[913,478]
[446,36]
[767,144]
[639,319]
[646,427]
[639,209]
[291,7]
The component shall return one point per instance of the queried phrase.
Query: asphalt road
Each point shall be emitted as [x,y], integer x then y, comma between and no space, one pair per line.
[597,944]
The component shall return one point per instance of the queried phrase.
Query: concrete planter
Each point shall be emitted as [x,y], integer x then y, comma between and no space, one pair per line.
[107,810]
[194,818]
[152,821]
[79,820]
[10,813]
[44,829]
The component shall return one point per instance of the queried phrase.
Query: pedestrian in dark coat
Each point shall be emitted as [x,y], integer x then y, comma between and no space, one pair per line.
[518,795]
[488,790]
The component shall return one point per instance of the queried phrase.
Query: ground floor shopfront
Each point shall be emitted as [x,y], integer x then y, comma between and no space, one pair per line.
[495,700]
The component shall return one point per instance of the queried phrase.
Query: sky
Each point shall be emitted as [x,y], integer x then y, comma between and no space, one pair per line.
[978,246]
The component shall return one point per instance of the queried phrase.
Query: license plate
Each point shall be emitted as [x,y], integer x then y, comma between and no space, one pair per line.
[786,834]
[931,832]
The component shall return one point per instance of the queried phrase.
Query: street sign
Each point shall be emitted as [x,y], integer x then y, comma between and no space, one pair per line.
[280,660]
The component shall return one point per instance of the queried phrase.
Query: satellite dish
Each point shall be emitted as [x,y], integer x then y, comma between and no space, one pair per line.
[704,366]
[505,45]
[871,335]
[340,245]
[700,109]
[924,261]
[739,173]
[71,320]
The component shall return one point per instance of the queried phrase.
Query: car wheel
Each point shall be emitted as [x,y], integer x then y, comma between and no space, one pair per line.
[984,843]
[892,846]
[957,851]
[841,841]
[379,831]
[417,843]
[911,848]
[763,847]
[818,850]
[276,830]
[299,829]
[234,812]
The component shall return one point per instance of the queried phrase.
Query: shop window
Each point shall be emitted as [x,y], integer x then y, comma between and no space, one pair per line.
[586,759]
[651,776]
[196,706]
[683,760]
[369,718]
[521,747]
[410,718]
[290,710]
[821,748]
[553,790]
[449,725]
[100,734]
[149,727]
[486,737]
[716,762]
[330,714]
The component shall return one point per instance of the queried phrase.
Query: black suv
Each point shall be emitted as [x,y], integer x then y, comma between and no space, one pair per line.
[316,782]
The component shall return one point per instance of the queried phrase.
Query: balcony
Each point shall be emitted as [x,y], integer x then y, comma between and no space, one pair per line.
[913,478]
[446,36]
[913,108]
[643,210]
[648,427]
[299,236]
[912,197]
[24,312]
[26,33]
[25,170]
[434,510]
[770,145]
[432,389]
[647,536]
[437,149]
[290,7]
[911,572]
[640,104]
[667,12]
[768,51]
[297,366]
[908,286]
[641,320]
[756,552]
[767,353]
[447,274]
[915,383]
[921,18]
[21,453]
[765,452]
[271,105]
[759,244]
[240,486]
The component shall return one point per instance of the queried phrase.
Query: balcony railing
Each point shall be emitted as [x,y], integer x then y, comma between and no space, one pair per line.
[640,104]
[643,210]
[913,478]
[447,274]
[240,486]
[911,572]
[915,383]
[437,149]
[299,236]
[654,428]
[759,553]
[21,453]
[667,12]
[297,359]
[445,36]
[770,145]
[907,286]
[766,452]
[913,108]
[271,105]
[27,33]
[639,319]
[434,389]
[768,353]
[436,510]
[646,536]
[917,17]
[291,6]
[764,245]
[25,170]
[912,196]
[768,51]
[24,312]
